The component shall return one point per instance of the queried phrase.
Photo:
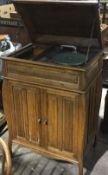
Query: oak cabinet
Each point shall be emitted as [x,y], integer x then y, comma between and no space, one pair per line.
[52,87]
[58,123]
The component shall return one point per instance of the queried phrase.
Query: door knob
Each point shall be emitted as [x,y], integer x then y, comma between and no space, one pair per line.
[39,121]
[45,122]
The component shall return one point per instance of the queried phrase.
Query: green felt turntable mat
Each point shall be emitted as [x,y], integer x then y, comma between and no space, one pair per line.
[69,58]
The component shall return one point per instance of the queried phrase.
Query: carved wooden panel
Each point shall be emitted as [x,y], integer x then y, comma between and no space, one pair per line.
[33,106]
[62,118]
[26,112]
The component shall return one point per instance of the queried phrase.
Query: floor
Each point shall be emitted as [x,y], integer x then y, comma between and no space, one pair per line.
[26,162]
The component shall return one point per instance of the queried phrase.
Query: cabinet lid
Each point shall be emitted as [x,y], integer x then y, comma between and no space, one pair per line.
[61,21]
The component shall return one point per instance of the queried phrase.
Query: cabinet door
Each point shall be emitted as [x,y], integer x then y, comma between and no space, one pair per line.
[25,106]
[62,121]
[52,119]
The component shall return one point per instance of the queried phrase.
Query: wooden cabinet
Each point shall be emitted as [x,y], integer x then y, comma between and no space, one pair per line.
[52,106]
[58,123]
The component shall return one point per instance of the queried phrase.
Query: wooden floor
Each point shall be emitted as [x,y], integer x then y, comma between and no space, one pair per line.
[26,162]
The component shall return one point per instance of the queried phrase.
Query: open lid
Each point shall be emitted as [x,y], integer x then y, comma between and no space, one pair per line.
[61,21]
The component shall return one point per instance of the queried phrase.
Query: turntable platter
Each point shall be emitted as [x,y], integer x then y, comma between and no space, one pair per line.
[69,58]
[65,55]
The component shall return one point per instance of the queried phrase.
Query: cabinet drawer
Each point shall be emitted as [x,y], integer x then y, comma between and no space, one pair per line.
[54,76]
[44,75]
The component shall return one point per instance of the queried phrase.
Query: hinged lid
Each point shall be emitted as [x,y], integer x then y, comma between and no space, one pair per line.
[61,21]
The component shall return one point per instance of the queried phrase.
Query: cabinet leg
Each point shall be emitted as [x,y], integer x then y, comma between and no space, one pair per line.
[95,141]
[10,146]
[80,168]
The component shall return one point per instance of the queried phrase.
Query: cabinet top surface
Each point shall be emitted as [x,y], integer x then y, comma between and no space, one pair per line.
[67,1]
[49,18]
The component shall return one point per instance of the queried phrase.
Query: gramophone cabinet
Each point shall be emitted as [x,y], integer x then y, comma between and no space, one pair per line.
[52,87]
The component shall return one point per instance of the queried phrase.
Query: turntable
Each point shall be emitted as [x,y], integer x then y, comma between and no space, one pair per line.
[67,55]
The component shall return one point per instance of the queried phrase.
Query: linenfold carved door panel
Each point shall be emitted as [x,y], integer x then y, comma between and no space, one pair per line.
[26,112]
[62,117]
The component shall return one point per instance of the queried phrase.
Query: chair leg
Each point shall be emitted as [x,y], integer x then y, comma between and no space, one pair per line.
[7,157]
[3,164]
